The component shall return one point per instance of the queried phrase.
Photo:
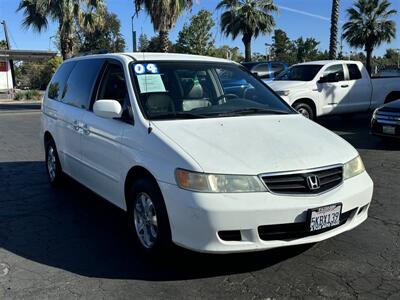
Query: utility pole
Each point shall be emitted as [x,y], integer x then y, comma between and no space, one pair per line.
[9,48]
[134,49]
[398,59]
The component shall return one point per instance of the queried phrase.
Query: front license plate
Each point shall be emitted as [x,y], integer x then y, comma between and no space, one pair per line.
[324,217]
[389,130]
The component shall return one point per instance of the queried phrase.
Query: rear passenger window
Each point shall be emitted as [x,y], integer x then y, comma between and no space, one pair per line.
[354,72]
[57,83]
[80,83]
[277,68]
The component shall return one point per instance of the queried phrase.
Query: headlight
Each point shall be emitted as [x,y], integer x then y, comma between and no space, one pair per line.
[374,114]
[216,183]
[283,93]
[353,168]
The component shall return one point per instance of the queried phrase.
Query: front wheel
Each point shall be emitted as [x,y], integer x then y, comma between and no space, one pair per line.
[148,217]
[305,110]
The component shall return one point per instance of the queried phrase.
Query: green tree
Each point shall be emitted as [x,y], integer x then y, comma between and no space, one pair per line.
[307,49]
[334,29]
[283,48]
[228,53]
[104,34]
[164,15]
[369,26]
[143,42]
[38,13]
[3,45]
[196,38]
[156,45]
[250,18]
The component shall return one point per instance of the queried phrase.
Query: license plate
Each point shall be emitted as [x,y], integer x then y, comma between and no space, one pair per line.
[389,130]
[324,217]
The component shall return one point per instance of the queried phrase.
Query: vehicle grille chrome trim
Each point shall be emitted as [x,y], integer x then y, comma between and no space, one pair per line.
[293,183]
[387,117]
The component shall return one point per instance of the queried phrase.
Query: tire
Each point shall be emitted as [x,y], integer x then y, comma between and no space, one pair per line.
[148,218]
[305,110]
[53,165]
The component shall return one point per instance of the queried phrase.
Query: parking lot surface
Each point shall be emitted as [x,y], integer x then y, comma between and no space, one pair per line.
[67,243]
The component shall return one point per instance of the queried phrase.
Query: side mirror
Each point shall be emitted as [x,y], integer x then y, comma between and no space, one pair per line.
[109,109]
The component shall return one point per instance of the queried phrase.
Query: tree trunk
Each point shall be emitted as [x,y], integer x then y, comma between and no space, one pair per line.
[66,44]
[369,59]
[247,46]
[334,29]
[164,41]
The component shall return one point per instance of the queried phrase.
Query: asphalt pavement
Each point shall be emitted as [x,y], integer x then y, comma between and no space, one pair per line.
[67,243]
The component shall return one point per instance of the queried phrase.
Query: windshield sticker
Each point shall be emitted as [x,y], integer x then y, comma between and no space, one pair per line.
[141,69]
[150,83]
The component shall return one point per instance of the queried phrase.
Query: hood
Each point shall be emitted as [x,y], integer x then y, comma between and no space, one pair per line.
[283,85]
[257,144]
[394,105]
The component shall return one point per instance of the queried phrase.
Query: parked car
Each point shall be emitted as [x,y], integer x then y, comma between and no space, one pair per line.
[386,120]
[155,135]
[266,70]
[334,87]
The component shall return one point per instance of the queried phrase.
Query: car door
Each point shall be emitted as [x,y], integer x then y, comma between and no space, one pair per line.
[360,89]
[333,89]
[101,141]
[75,100]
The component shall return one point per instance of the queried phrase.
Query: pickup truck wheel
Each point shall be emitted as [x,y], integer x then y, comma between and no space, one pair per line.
[304,109]
[148,219]
[53,165]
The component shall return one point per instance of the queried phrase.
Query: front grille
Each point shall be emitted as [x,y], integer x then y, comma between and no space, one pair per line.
[296,183]
[388,117]
[291,231]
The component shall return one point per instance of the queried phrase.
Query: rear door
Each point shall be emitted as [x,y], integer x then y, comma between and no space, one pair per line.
[360,89]
[75,101]
[101,141]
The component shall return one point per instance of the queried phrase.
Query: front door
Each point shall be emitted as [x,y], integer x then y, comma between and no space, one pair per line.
[101,141]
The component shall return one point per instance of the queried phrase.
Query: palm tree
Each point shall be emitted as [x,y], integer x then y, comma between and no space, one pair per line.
[163,14]
[370,25]
[334,29]
[66,13]
[247,17]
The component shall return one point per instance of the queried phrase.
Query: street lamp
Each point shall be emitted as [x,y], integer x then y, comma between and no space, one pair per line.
[268,48]
[50,38]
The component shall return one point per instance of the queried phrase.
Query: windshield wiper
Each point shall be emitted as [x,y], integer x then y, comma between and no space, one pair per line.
[253,111]
[177,115]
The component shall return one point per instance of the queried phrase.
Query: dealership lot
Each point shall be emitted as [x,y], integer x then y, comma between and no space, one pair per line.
[65,243]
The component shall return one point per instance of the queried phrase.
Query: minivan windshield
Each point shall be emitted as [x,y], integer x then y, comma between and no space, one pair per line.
[300,73]
[188,90]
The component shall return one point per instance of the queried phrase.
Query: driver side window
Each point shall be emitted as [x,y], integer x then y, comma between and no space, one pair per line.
[334,73]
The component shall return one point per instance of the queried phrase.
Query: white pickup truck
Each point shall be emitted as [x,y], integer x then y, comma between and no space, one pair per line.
[334,87]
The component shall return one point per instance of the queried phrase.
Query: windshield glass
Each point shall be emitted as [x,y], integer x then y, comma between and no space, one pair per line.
[183,90]
[300,73]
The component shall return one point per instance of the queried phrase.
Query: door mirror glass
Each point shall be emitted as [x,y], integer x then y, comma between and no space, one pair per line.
[109,109]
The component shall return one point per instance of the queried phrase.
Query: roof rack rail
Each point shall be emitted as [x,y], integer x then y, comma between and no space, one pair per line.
[98,51]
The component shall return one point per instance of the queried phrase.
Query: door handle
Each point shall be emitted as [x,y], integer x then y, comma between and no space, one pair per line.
[76,125]
[85,129]
[345,86]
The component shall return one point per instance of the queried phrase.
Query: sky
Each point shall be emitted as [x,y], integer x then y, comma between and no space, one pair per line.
[307,18]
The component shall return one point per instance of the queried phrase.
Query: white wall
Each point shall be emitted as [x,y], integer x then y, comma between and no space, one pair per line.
[6,78]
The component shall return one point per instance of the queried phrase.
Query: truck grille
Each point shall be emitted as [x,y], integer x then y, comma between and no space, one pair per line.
[388,117]
[308,182]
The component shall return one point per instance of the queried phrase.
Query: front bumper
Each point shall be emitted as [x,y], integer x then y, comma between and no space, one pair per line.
[377,129]
[196,218]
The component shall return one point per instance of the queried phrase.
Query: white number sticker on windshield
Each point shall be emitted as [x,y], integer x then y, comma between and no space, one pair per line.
[145,68]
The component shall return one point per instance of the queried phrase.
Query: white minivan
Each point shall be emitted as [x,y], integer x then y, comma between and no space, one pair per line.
[195,162]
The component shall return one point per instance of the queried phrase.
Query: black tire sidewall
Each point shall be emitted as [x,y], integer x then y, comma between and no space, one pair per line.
[163,242]
[307,107]
[58,178]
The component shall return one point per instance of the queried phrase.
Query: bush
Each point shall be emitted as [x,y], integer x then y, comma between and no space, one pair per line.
[27,95]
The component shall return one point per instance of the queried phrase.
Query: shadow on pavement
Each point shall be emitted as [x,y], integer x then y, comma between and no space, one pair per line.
[73,229]
[19,106]
[356,130]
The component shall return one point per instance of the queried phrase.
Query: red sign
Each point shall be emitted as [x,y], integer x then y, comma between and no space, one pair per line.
[3,66]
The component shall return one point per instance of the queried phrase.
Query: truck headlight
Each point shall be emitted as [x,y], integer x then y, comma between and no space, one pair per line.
[353,168]
[217,183]
[283,93]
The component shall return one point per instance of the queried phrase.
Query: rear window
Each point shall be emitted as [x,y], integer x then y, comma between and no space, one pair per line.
[57,84]
[354,72]
[80,83]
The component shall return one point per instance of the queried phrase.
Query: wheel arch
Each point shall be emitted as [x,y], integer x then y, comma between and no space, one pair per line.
[47,137]
[394,95]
